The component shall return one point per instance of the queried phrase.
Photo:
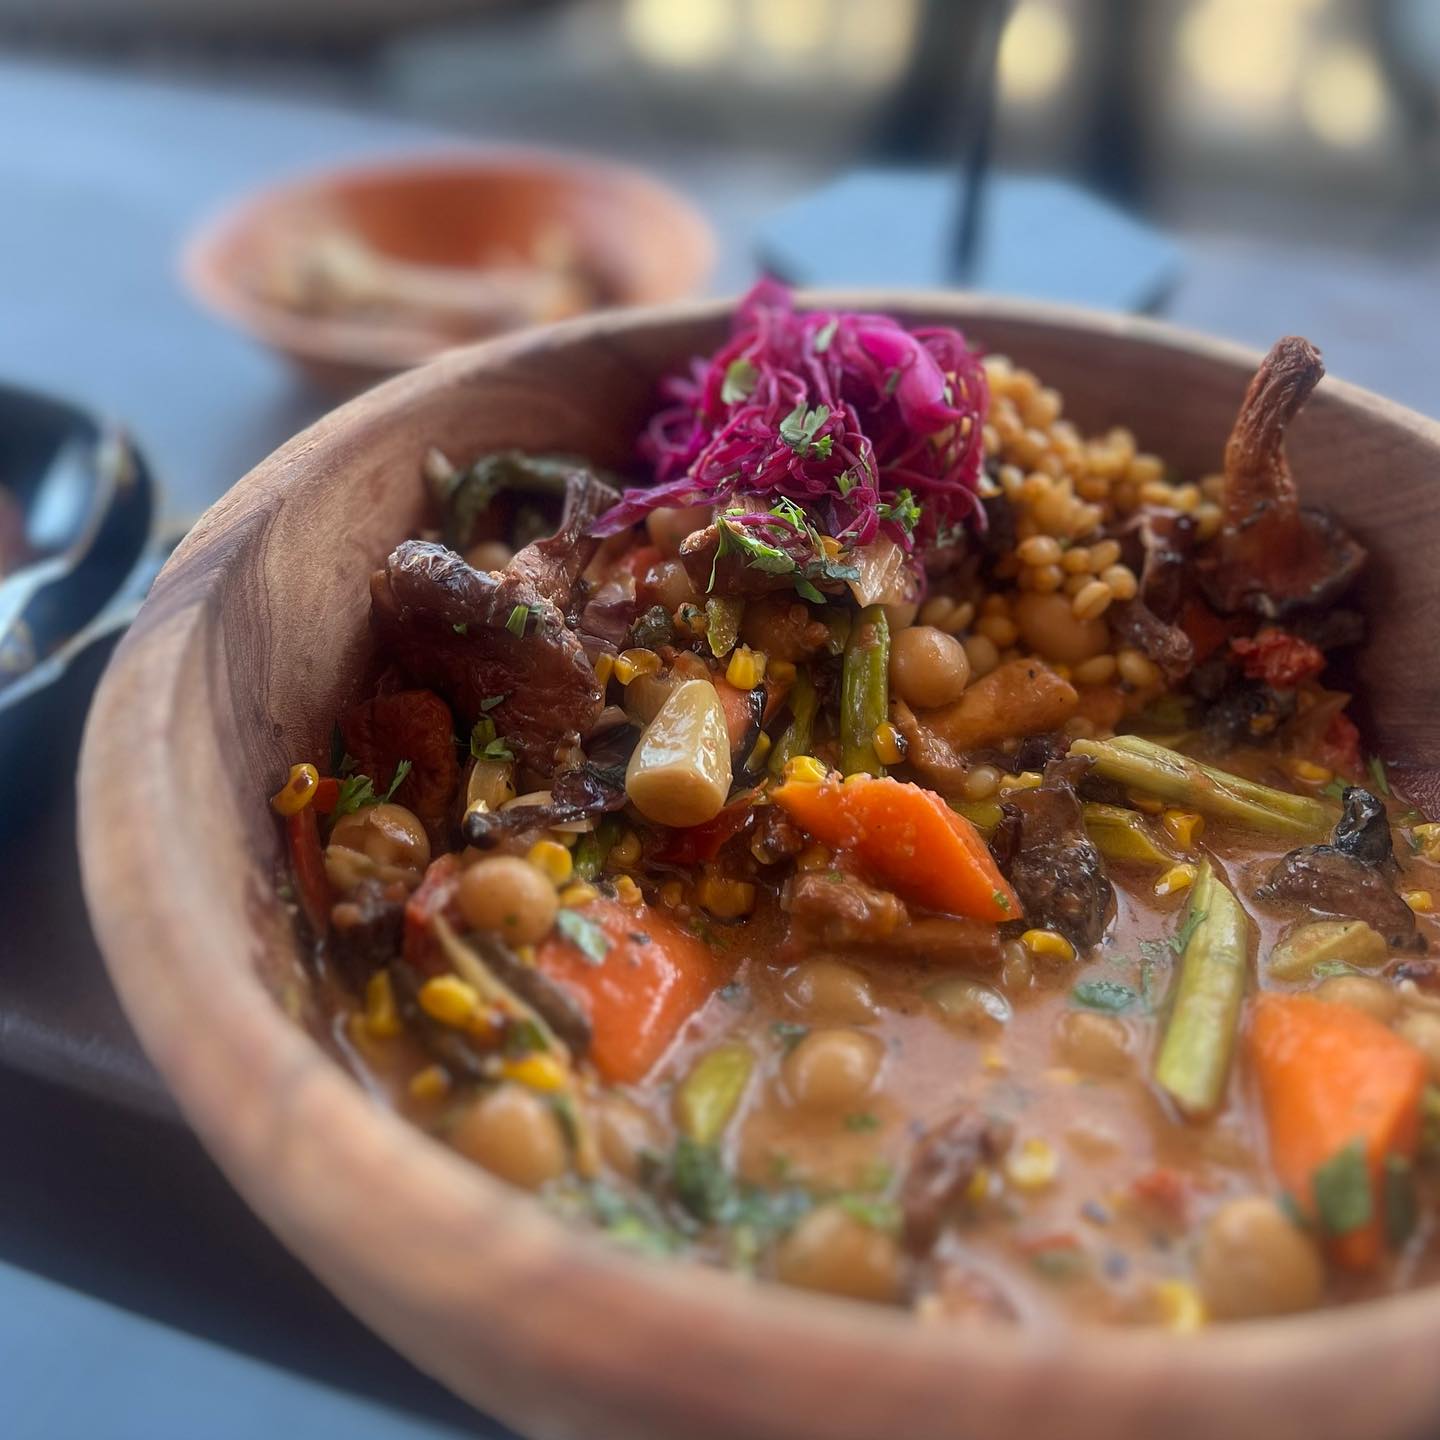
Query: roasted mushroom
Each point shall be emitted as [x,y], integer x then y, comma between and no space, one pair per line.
[1274,556]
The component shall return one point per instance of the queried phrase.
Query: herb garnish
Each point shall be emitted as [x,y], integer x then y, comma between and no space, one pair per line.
[462,628]
[587,937]
[883,1215]
[1376,767]
[358,791]
[789,1033]
[1335,789]
[741,377]
[516,623]
[1109,996]
[1342,1191]
[862,1121]
[904,512]
[800,427]
[485,744]
[825,334]
[1191,923]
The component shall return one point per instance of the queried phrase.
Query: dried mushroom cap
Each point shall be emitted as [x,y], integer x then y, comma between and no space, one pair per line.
[1273,556]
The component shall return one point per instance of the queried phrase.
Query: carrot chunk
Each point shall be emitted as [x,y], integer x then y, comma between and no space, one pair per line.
[652,977]
[906,837]
[1338,1088]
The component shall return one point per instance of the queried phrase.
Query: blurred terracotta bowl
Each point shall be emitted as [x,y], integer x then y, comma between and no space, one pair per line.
[358,273]
[253,639]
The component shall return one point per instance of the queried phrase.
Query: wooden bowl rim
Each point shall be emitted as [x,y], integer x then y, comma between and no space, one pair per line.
[352,1141]
[376,347]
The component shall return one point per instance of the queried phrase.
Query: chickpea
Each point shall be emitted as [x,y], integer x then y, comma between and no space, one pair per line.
[668,584]
[901,614]
[928,668]
[827,990]
[489,555]
[670,527]
[387,834]
[1375,997]
[1048,625]
[782,627]
[514,1134]
[1422,1029]
[1253,1261]
[982,653]
[510,896]
[1094,1044]
[831,1250]
[832,1069]
[626,1133]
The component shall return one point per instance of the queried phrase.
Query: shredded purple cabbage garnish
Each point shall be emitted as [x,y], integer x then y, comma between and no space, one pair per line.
[872,428]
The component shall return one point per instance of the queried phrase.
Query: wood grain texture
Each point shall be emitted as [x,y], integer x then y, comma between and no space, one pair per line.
[247,648]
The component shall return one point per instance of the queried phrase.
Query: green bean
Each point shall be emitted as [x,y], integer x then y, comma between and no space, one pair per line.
[1199,1040]
[1157,771]
[710,1093]
[592,847]
[864,691]
[799,735]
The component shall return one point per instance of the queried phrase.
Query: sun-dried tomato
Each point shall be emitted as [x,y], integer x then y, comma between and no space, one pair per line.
[1280,659]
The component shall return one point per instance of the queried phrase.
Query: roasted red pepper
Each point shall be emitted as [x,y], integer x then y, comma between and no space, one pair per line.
[307,863]
[1280,659]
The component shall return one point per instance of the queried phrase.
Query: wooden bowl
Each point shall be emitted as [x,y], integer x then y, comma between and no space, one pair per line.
[245,651]
[455,212]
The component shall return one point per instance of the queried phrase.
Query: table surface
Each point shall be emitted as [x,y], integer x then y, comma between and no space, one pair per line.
[102,1191]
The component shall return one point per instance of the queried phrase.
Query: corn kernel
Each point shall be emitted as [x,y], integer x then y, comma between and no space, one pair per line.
[577,894]
[627,892]
[630,663]
[1184,827]
[1180,1306]
[1148,804]
[672,892]
[604,667]
[993,1059]
[1033,1166]
[889,744]
[1420,901]
[1048,943]
[725,899]
[485,1025]
[539,1072]
[758,755]
[448,999]
[1175,879]
[1091,600]
[804,770]
[297,791]
[381,1019]
[1025,780]
[625,852]
[431,1083]
[525,954]
[979,1186]
[830,545]
[1429,837]
[746,668]
[782,672]
[813,857]
[552,860]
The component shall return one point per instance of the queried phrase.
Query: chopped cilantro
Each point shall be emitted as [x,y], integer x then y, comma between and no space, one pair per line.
[904,512]
[1335,789]
[490,702]
[1107,995]
[846,481]
[516,623]
[787,510]
[1001,899]
[702,1184]
[1399,1200]
[485,744]
[892,383]
[358,791]
[587,937]
[1191,923]
[463,628]
[825,334]
[741,377]
[1376,766]
[883,1215]
[1327,968]
[861,1121]
[800,428]
[1342,1191]
[806,591]
[789,1033]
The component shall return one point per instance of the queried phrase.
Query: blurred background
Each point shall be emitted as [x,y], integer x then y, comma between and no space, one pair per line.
[1245,167]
